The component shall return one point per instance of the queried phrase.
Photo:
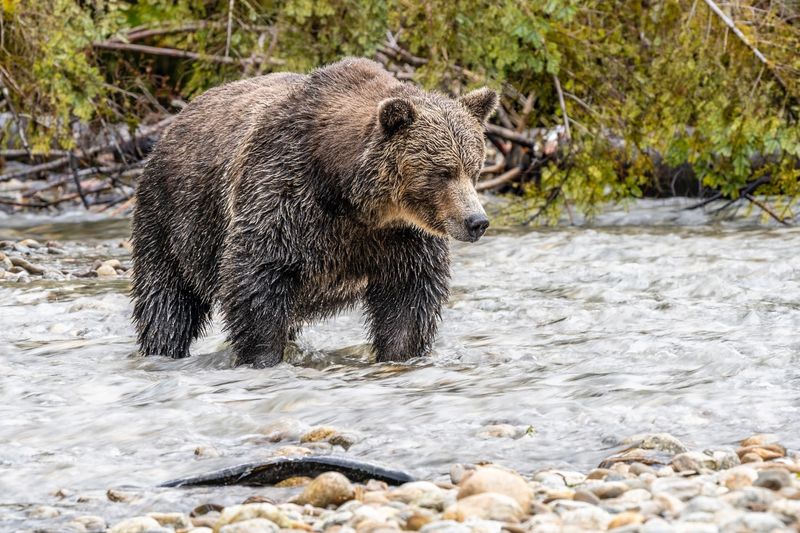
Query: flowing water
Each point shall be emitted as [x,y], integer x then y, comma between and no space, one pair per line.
[655,320]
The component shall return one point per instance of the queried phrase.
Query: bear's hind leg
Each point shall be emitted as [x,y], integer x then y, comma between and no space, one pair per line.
[168,315]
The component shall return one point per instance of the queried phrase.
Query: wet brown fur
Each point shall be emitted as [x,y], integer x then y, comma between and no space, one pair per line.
[289,197]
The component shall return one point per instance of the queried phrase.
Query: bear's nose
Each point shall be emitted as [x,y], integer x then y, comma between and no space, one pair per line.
[476,225]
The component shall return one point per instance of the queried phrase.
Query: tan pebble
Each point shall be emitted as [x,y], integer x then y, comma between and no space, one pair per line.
[30,243]
[751,458]
[43,511]
[416,521]
[374,484]
[253,525]
[173,520]
[665,471]
[330,488]
[759,440]
[419,493]
[200,530]
[374,498]
[105,271]
[376,526]
[318,434]
[206,451]
[766,451]
[90,523]
[208,520]
[586,496]
[485,506]
[115,495]
[138,524]
[558,494]
[627,518]
[611,489]
[738,477]
[490,479]
[288,451]
[598,473]
[499,431]
[296,481]
[621,468]
[239,513]
[258,498]
[113,263]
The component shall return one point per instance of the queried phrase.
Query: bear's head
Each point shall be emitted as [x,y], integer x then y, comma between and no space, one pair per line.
[435,151]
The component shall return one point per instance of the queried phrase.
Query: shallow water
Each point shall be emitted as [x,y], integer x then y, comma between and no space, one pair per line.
[578,336]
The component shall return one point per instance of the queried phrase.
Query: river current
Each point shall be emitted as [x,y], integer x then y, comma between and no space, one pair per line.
[648,320]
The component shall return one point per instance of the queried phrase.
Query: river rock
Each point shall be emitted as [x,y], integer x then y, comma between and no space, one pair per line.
[28,266]
[500,431]
[43,511]
[139,524]
[490,479]
[738,477]
[788,508]
[318,434]
[458,471]
[418,519]
[253,525]
[173,520]
[5,262]
[695,461]
[89,523]
[240,513]
[421,494]
[445,526]
[766,452]
[590,517]
[679,487]
[105,271]
[330,488]
[753,523]
[628,518]
[760,439]
[284,429]
[485,506]
[587,496]
[663,442]
[610,489]
[756,499]
[774,479]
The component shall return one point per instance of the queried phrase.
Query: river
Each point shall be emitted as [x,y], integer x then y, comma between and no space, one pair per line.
[648,320]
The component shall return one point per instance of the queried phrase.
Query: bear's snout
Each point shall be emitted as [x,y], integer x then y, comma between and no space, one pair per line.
[476,226]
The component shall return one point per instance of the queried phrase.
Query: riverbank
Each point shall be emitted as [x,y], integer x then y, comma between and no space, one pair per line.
[653,485]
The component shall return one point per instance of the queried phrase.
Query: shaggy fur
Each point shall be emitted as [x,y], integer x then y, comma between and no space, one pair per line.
[289,197]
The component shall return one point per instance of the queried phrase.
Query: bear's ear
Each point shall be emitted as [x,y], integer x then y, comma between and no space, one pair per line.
[481,103]
[395,114]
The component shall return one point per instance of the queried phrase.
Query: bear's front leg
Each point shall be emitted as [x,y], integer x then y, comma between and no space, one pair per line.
[404,298]
[257,306]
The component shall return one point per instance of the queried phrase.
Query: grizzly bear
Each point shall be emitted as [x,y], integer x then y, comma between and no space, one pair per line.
[288,197]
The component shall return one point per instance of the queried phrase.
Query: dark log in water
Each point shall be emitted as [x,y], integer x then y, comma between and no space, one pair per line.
[276,470]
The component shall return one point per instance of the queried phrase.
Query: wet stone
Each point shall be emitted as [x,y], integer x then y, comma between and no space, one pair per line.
[43,511]
[591,518]
[610,489]
[89,523]
[695,461]
[330,488]
[753,523]
[627,518]
[489,479]
[586,496]
[139,524]
[657,441]
[421,494]
[253,525]
[485,506]
[775,479]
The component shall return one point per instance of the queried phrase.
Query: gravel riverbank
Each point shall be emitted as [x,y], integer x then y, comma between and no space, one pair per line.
[654,485]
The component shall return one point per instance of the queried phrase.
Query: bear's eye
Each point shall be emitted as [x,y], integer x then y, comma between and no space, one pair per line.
[447,174]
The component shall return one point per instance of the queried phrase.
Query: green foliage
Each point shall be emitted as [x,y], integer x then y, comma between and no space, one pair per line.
[640,78]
